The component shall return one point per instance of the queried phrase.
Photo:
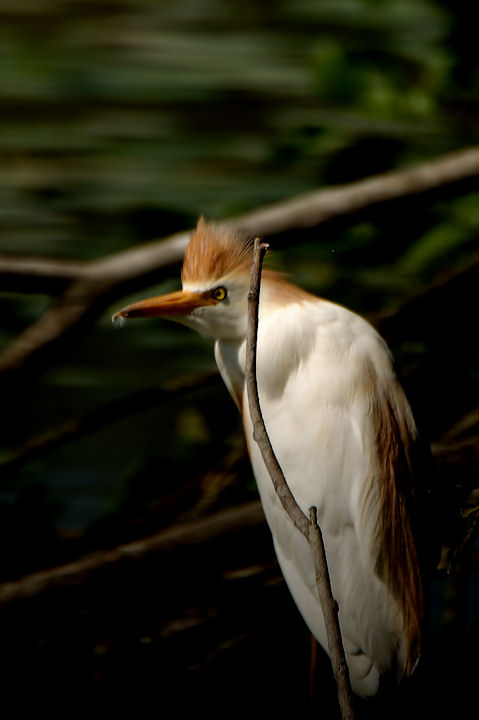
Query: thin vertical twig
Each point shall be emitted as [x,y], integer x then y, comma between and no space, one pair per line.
[329,607]
[307,526]
[260,433]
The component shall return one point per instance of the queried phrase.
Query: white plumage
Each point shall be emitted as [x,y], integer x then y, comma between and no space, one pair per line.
[342,431]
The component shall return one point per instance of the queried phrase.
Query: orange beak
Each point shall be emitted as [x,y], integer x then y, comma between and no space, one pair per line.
[172,305]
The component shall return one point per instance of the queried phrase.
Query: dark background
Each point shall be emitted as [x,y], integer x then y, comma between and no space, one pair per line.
[123,121]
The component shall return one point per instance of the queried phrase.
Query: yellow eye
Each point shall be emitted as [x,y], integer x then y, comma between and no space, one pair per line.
[219,293]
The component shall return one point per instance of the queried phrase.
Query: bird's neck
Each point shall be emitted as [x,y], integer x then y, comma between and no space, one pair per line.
[282,316]
[230,358]
[278,293]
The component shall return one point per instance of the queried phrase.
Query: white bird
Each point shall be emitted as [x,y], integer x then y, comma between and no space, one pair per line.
[343,433]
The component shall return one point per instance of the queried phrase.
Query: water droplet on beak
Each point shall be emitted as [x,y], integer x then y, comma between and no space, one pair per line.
[118,320]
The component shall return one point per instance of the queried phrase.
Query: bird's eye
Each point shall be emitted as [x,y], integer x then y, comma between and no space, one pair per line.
[219,293]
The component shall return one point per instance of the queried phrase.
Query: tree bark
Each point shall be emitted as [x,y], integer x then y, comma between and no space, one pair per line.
[307,526]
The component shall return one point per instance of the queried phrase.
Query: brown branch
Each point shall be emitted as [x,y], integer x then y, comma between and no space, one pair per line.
[105,280]
[99,417]
[40,275]
[429,310]
[320,206]
[260,434]
[100,282]
[168,541]
[330,611]
[466,427]
[142,261]
[303,212]
[74,308]
[308,527]
[185,535]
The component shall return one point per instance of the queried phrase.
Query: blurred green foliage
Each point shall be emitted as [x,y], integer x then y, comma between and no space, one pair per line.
[123,120]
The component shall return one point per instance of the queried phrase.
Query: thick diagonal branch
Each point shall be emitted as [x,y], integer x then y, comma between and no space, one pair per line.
[105,280]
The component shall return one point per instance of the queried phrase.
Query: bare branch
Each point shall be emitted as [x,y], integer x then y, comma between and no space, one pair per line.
[308,527]
[466,427]
[299,213]
[73,308]
[260,433]
[320,206]
[430,309]
[143,260]
[38,274]
[102,281]
[168,541]
[330,611]
[184,534]
[97,418]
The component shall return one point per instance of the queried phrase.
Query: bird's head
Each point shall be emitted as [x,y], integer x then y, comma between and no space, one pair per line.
[215,278]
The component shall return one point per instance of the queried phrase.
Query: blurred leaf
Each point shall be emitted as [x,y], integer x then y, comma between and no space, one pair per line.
[459,228]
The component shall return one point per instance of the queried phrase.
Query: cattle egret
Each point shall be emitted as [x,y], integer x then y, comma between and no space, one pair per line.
[343,433]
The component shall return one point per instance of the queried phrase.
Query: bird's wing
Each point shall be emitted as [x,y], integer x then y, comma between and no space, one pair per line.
[341,428]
